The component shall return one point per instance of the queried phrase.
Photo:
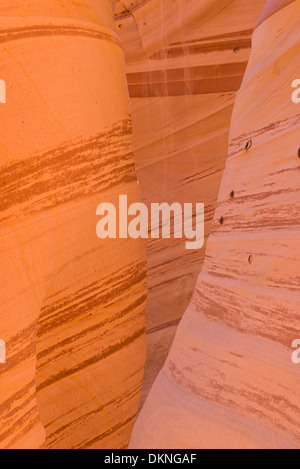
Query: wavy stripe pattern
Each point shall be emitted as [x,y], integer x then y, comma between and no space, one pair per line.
[229,380]
[72,306]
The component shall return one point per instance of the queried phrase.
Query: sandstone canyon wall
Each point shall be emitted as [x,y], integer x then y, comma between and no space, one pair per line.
[229,381]
[73,306]
[185,60]
[66,146]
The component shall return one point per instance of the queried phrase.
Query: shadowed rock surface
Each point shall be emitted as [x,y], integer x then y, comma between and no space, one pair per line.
[185,60]
[229,381]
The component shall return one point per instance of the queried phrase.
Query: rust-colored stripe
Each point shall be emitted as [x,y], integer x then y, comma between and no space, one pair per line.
[53,178]
[33,420]
[88,331]
[78,304]
[93,360]
[202,48]
[114,429]
[191,73]
[83,418]
[237,144]
[183,88]
[237,34]
[187,81]
[29,32]
[7,407]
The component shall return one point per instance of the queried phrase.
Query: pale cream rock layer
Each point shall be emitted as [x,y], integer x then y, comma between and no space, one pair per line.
[229,380]
[185,60]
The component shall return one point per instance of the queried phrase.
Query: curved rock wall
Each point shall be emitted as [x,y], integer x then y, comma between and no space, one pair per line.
[66,146]
[72,306]
[185,60]
[229,381]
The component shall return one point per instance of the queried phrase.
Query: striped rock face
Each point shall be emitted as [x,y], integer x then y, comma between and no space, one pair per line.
[72,306]
[185,60]
[229,381]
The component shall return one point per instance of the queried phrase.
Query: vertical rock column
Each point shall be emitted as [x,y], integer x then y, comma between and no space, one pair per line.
[65,147]
[229,381]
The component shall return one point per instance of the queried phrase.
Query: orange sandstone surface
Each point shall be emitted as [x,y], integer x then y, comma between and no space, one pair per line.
[185,60]
[72,306]
[229,381]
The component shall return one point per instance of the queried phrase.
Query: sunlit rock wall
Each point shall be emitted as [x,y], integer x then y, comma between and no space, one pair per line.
[65,147]
[185,60]
[229,381]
